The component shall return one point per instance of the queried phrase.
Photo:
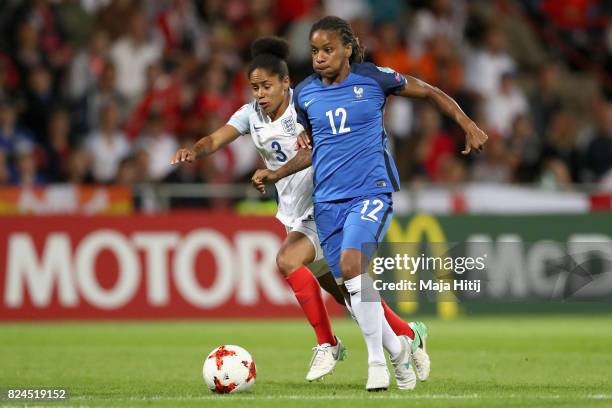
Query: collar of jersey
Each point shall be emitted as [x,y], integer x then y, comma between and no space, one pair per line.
[346,81]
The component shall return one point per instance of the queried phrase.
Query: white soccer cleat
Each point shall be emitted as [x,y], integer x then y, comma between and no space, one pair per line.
[402,365]
[378,377]
[419,356]
[324,359]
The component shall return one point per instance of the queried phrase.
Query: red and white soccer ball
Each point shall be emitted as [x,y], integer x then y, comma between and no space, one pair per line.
[229,369]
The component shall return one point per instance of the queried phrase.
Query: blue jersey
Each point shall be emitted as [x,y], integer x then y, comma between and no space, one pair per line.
[350,156]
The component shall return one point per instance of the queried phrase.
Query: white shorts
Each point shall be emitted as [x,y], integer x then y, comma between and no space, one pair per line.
[306,225]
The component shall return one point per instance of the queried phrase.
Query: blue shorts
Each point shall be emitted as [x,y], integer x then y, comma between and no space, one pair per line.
[357,223]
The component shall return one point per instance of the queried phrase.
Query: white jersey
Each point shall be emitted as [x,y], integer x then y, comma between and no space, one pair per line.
[275,141]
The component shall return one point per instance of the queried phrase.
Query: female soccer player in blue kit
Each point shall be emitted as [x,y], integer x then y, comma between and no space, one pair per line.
[341,107]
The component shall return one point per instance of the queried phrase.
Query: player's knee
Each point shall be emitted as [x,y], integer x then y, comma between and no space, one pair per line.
[286,262]
[349,265]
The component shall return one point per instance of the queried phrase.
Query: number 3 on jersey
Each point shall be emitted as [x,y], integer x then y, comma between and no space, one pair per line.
[280,155]
[340,112]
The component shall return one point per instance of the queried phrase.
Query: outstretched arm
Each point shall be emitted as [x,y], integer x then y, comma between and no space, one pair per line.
[207,145]
[301,160]
[475,138]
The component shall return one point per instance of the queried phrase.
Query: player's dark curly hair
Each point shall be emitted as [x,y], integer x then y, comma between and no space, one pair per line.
[343,28]
[270,53]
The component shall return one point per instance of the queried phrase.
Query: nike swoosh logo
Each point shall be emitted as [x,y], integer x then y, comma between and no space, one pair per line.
[309,102]
[258,127]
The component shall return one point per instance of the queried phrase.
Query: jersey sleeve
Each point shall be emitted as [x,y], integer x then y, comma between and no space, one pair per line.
[301,116]
[388,79]
[240,119]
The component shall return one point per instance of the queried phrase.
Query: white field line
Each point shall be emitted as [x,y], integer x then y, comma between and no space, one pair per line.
[247,397]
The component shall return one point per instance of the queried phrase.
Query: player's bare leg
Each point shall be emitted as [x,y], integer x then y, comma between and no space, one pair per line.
[329,284]
[296,252]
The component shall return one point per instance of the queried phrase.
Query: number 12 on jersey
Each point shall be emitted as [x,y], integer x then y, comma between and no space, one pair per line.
[371,215]
[340,112]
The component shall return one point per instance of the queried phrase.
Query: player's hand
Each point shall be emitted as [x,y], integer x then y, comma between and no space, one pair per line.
[263,177]
[475,139]
[183,155]
[303,141]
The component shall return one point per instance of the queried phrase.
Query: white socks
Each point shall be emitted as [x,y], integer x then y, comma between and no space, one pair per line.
[370,317]
[390,340]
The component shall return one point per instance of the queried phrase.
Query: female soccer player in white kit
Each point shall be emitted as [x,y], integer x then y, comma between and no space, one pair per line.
[270,119]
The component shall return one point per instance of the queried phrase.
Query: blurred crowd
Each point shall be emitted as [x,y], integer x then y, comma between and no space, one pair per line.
[104,91]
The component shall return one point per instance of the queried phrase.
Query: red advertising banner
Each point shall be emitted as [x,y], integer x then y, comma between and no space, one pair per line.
[65,199]
[182,265]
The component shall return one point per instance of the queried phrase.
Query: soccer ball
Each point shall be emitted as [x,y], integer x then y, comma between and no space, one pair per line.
[229,369]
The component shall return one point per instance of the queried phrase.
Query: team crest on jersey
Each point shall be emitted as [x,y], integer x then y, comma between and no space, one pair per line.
[288,125]
[386,70]
[358,91]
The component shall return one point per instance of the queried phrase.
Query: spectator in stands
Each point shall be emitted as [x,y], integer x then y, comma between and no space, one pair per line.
[439,65]
[127,172]
[27,53]
[525,146]
[179,26]
[79,167]
[107,145]
[390,51]
[106,16]
[6,88]
[545,99]
[502,107]
[211,96]
[27,174]
[57,146]
[348,9]
[159,146]
[452,170]
[40,99]
[445,18]
[103,93]
[555,175]
[560,147]
[433,144]
[599,151]
[494,165]
[132,54]
[41,39]
[484,68]
[88,65]
[300,64]
[578,28]
[13,138]
[162,98]
[5,175]
[190,172]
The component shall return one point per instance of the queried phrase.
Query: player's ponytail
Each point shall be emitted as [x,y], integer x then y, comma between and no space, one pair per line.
[343,28]
[270,53]
[358,51]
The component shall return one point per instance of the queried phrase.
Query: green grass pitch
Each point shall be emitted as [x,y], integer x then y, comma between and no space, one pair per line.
[480,361]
